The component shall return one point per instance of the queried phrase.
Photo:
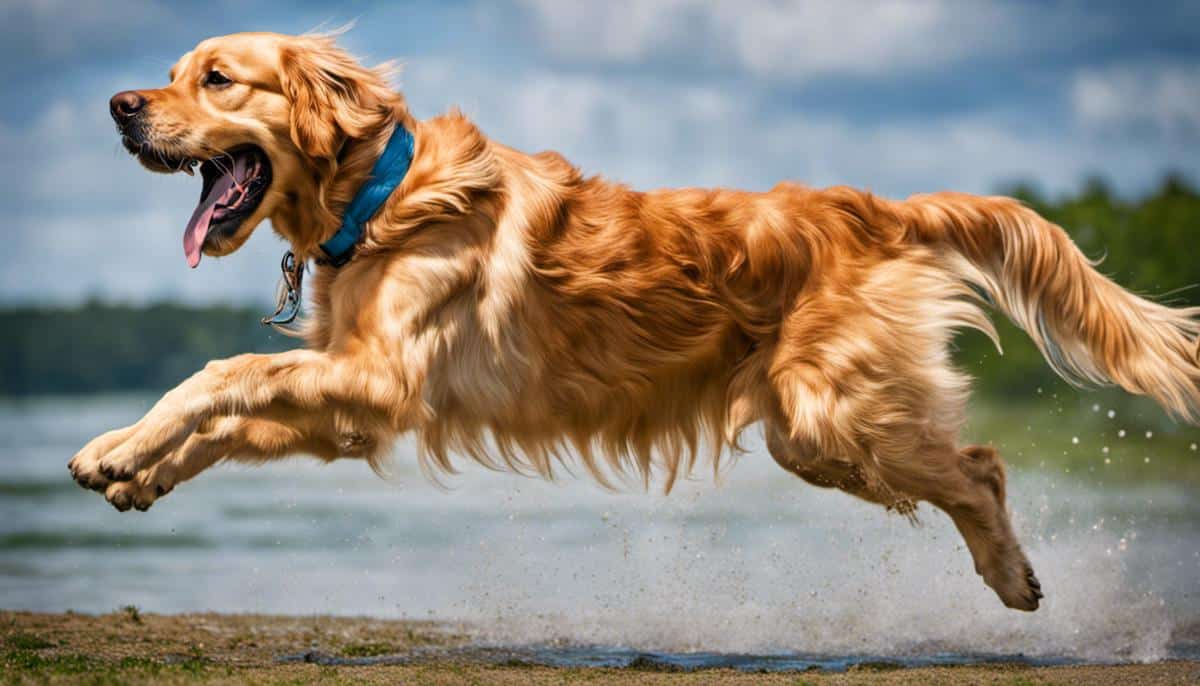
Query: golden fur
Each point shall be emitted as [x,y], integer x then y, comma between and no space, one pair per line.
[505,307]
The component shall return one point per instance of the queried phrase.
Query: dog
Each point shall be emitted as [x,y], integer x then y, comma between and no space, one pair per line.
[502,306]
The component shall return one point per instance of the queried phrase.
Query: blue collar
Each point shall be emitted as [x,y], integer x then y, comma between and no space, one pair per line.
[386,175]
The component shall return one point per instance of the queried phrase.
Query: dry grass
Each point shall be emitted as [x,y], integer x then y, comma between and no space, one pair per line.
[131,647]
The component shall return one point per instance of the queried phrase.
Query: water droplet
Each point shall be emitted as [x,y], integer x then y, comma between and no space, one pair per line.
[1112,413]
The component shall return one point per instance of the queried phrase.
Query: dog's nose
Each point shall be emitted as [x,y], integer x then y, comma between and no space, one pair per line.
[125,106]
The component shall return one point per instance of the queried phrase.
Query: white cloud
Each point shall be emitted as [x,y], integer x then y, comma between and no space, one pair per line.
[1165,97]
[91,221]
[54,28]
[806,39]
[81,215]
[655,135]
[793,39]
[622,30]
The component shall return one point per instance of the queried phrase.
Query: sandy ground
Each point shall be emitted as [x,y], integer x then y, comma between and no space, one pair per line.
[130,647]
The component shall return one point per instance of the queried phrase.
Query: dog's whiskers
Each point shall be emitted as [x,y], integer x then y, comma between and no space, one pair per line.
[226,170]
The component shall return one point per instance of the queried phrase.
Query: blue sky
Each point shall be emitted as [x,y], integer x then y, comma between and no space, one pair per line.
[898,96]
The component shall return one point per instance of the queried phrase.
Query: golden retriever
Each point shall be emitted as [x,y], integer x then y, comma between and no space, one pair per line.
[503,306]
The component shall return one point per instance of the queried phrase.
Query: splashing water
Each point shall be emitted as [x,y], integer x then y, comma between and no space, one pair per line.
[760,565]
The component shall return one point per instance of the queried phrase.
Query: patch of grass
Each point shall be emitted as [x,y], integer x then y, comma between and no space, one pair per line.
[194,666]
[418,636]
[144,666]
[24,641]
[30,661]
[24,666]
[516,663]
[368,649]
[242,639]
[642,663]
[196,662]
[133,613]
[877,666]
[140,663]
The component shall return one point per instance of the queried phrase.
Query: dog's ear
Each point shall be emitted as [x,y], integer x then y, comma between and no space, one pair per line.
[333,97]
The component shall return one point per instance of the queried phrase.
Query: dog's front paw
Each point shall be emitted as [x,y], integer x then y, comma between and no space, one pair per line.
[140,492]
[119,455]
[89,468]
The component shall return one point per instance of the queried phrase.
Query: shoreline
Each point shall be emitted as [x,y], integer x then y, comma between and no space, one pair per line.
[129,646]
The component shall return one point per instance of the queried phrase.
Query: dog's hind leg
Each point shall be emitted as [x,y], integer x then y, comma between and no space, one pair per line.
[969,485]
[867,401]
[804,460]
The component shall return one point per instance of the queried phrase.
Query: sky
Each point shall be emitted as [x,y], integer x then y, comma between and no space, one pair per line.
[895,96]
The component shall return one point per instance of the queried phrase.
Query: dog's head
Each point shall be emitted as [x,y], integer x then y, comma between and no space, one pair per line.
[266,118]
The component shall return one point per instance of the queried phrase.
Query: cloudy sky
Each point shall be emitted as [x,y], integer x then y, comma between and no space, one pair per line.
[898,96]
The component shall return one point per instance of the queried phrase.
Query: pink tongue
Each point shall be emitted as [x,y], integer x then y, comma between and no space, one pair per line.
[197,227]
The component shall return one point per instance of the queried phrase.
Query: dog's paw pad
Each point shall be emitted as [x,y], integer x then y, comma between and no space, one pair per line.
[121,499]
[126,495]
[86,476]
[114,473]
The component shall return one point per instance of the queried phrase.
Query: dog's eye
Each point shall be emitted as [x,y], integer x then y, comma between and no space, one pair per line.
[216,78]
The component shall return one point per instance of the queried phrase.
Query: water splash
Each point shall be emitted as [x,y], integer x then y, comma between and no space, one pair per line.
[763,565]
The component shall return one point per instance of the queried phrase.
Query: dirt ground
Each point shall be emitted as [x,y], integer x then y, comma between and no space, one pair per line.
[135,648]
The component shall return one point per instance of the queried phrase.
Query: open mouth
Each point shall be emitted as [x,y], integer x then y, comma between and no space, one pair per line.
[234,185]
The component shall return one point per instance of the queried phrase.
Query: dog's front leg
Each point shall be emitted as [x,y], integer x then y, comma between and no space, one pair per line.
[251,439]
[299,381]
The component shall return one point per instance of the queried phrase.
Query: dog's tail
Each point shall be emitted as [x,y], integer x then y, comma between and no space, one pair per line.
[1089,329]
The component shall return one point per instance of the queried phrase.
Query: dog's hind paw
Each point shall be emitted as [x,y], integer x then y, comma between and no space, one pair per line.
[1017,586]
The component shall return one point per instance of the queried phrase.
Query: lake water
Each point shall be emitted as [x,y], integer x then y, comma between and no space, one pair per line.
[759,564]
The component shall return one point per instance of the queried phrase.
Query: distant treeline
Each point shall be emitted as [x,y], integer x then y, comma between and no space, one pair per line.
[99,347]
[1150,245]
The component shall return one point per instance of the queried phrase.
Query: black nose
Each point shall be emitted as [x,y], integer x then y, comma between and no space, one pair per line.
[125,106]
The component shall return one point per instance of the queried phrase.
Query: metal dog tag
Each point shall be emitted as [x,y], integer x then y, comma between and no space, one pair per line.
[287,306]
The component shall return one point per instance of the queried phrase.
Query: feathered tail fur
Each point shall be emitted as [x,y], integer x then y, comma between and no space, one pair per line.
[1090,330]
